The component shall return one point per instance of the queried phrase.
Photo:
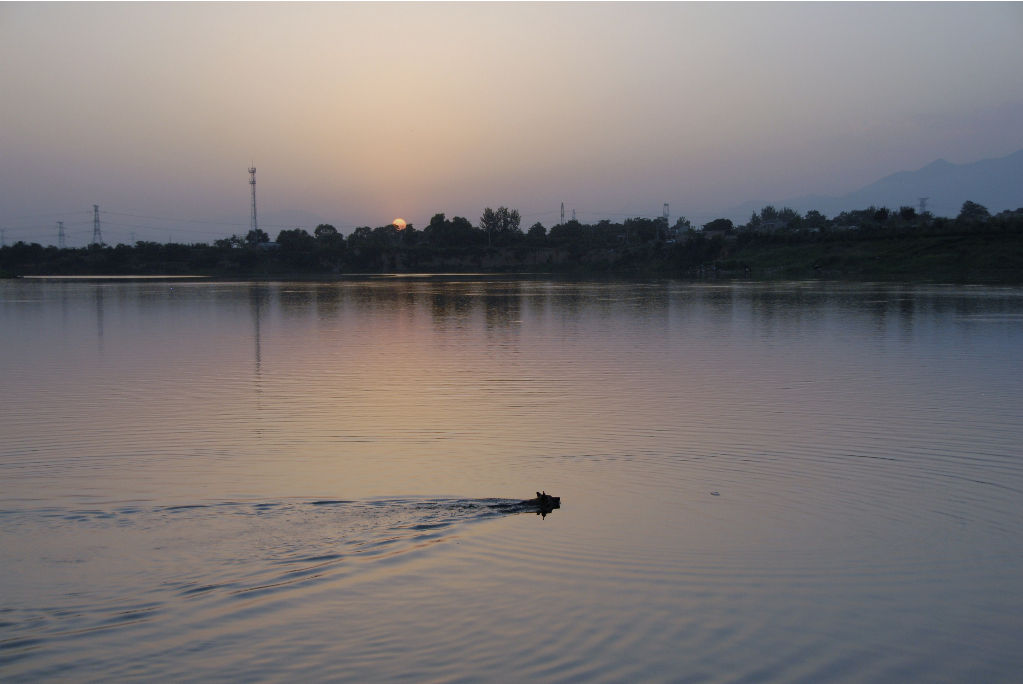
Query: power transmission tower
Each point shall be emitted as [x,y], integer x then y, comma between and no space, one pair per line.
[562,213]
[573,214]
[667,215]
[252,182]
[60,235]
[97,233]
[923,204]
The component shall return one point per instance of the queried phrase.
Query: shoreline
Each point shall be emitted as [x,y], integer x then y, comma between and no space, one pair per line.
[960,257]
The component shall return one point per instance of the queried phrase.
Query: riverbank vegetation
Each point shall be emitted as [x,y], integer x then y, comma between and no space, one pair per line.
[903,244]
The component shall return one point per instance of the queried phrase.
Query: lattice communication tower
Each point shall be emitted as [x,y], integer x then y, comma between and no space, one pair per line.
[252,182]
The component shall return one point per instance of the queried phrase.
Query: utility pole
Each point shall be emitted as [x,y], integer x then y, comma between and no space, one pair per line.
[60,235]
[97,232]
[252,182]
[667,215]
[562,213]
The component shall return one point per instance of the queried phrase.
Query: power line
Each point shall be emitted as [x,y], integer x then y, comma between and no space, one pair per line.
[48,214]
[174,219]
[142,226]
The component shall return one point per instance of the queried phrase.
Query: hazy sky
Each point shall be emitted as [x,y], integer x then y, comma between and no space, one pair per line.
[357,113]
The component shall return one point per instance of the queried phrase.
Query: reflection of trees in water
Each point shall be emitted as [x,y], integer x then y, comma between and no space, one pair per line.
[499,305]
[502,313]
[536,299]
[502,305]
[295,299]
[896,307]
[649,302]
[451,305]
[328,300]
[377,296]
[456,304]
[770,307]
[568,301]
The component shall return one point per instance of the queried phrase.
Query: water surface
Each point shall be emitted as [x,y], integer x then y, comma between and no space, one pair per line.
[271,481]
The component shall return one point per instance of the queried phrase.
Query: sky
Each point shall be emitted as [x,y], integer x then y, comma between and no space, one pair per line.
[358,113]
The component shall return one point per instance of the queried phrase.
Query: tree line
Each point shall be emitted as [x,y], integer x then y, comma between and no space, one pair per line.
[499,243]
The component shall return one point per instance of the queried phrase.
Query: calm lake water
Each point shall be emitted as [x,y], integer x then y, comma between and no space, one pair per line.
[796,482]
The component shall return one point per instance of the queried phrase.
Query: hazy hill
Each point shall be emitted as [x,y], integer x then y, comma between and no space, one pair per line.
[995,183]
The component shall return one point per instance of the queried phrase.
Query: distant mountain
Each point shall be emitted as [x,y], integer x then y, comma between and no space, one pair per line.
[995,183]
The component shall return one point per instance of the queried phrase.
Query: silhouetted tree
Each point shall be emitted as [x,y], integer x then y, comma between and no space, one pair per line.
[456,233]
[815,219]
[790,218]
[296,239]
[567,233]
[718,224]
[409,236]
[386,236]
[326,232]
[682,224]
[501,223]
[643,229]
[462,224]
[971,212]
[257,236]
[360,234]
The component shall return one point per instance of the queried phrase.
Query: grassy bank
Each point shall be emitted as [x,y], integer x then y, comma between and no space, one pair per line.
[977,258]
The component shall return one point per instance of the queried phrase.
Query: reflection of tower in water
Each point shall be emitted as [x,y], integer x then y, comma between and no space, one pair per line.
[99,316]
[256,303]
[257,297]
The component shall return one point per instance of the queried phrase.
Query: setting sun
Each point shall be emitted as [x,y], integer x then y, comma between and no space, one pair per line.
[399,223]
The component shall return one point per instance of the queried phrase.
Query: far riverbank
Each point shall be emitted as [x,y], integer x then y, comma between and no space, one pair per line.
[954,256]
